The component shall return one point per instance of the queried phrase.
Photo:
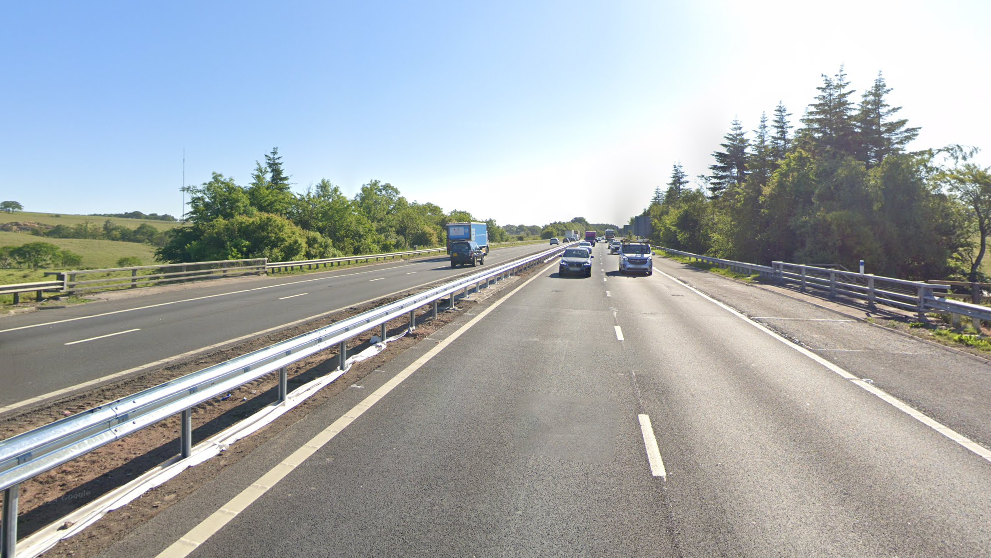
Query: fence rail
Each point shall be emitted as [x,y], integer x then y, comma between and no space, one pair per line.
[37,287]
[917,296]
[32,453]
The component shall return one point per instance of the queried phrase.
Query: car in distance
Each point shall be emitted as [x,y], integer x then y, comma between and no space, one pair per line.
[555,241]
[636,256]
[615,246]
[576,261]
[586,245]
[466,251]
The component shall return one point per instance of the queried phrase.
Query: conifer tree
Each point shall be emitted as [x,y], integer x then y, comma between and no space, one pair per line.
[781,140]
[678,182]
[829,122]
[731,164]
[878,133]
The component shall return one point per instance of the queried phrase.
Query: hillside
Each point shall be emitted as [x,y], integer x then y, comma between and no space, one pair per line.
[70,220]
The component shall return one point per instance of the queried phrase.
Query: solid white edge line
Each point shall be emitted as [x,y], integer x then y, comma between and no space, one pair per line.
[653,452]
[212,524]
[292,296]
[939,427]
[101,337]
[619,333]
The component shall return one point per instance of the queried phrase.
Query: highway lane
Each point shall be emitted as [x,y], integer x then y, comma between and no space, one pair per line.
[54,350]
[523,437]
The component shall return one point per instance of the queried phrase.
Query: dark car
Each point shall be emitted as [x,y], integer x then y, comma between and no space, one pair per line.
[466,251]
[577,261]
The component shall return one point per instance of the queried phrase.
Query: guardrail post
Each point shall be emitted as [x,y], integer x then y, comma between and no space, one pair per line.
[434,315]
[924,292]
[832,285]
[383,332]
[186,433]
[17,298]
[72,279]
[342,356]
[871,294]
[283,384]
[412,319]
[8,525]
[134,278]
[450,304]
[804,282]
[975,297]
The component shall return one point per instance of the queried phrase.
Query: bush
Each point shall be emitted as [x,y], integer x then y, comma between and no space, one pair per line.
[129,261]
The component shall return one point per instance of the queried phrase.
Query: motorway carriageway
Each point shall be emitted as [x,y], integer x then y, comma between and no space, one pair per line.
[52,352]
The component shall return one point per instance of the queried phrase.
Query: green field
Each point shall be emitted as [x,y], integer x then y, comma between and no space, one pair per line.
[97,254]
[70,220]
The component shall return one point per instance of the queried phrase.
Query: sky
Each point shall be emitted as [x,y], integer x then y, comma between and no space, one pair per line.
[526,112]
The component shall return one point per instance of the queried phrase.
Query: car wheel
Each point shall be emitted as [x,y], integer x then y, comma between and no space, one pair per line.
[481,261]
[473,262]
[453,265]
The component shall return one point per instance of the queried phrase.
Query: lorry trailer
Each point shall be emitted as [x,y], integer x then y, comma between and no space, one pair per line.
[475,232]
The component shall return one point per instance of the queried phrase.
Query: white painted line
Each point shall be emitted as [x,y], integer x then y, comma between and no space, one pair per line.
[198,298]
[202,532]
[804,319]
[608,295]
[122,373]
[101,337]
[619,333]
[603,279]
[292,296]
[960,439]
[411,273]
[653,452]
[379,279]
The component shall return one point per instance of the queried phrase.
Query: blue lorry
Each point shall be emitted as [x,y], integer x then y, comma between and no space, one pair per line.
[476,232]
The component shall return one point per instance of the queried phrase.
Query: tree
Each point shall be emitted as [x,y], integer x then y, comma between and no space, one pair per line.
[829,122]
[277,178]
[678,182]
[37,254]
[10,206]
[269,190]
[780,141]
[879,135]
[731,164]
[971,184]
[220,198]
[658,197]
[761,160]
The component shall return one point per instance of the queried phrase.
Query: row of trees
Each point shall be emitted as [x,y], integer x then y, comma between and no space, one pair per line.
[839,189]
[109,231]
[266,219]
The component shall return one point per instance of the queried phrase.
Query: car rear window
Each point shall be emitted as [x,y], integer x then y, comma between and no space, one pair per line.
[638,249]
[576,253]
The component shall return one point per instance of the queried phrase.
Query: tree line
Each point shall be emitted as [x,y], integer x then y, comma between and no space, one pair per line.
[839,188]
[265,219]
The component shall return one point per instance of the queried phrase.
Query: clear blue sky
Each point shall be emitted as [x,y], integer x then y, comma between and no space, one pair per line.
[522,111]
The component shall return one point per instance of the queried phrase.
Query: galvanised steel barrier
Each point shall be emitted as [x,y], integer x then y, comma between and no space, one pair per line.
[739,267]
[875,289]
[312,264]
[32,453]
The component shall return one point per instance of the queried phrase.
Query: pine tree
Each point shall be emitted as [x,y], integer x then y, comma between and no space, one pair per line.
[277,179]
[761,160]
[658,198]
[829,122]
[780,141]
[879,135]
[678,182]
[731,164]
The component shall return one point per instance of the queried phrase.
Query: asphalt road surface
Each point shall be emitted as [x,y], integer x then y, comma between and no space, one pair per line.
[532,433]
[51,350]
